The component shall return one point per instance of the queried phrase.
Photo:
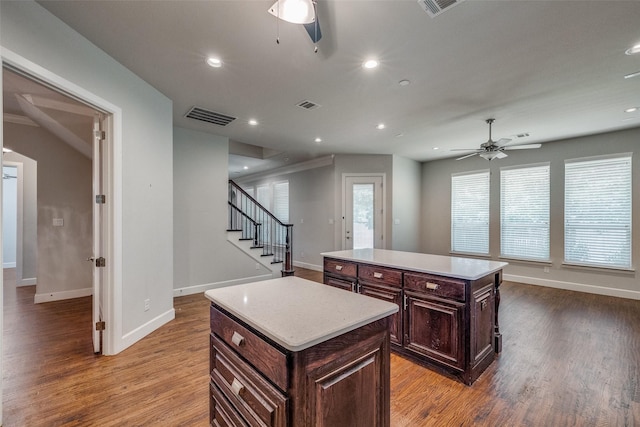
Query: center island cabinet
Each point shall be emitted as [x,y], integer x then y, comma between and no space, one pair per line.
[449,305]
[292,352]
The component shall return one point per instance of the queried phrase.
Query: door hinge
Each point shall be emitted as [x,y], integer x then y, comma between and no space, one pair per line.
[99,134]
[100,326]
[101,199]
[101,262]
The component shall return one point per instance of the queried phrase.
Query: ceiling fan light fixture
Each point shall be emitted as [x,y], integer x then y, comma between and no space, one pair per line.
[490,155]
[294,11]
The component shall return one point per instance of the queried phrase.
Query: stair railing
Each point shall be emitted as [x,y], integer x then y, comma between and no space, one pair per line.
[262,227]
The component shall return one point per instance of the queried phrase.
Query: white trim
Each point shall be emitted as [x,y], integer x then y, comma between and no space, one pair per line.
[308,266]
[382,175]
[62,295]
[19,264]
[27,282]
[197,289]
[8,265]
[297,167]
[113,339]
[142,331]
[572,286]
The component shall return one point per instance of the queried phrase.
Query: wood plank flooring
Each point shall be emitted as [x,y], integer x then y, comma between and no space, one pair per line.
[569,359]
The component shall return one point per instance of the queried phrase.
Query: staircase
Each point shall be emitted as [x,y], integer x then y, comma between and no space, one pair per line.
[258,231]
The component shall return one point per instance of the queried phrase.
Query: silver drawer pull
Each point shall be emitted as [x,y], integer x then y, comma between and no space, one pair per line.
[377,275]
[339,267]
[237,339]
[237,387]
[432,286]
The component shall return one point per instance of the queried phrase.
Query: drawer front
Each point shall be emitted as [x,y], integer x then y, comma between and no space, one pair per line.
[222,414]
[339,283]
[260,403]
[264,357]
[380,275]
[343,268]
[430,284]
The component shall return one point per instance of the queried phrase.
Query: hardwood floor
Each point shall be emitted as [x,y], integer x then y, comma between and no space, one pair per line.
[568,359]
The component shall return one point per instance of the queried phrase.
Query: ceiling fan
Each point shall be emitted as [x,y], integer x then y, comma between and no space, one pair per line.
[303,12]
[495,149]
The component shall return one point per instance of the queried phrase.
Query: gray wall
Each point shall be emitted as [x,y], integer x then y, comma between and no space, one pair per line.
[63,191]
[406,191]
[436,211]
[145,163]
[204,258]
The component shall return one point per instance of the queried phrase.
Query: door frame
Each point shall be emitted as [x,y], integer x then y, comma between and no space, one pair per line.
[112,303]
[383,203]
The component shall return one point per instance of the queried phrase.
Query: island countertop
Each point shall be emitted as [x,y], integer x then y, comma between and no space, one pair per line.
[457,267]
[297,313]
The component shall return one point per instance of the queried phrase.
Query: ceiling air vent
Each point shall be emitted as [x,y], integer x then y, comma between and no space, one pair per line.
[203,115]
[308,105]
[436,7]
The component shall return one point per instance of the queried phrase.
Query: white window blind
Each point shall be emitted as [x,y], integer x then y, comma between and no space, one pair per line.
[281,201]
[470,213]
[263,196]
[597,212]
[524,212]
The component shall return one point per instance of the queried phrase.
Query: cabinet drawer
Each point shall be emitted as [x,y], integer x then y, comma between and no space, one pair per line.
[380,275]
[260,403]
[222,413]
[263,356]
[443,287]
[343,268]
[339,283]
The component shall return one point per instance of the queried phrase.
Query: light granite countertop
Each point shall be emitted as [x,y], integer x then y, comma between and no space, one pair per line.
[457,267]
[298,313]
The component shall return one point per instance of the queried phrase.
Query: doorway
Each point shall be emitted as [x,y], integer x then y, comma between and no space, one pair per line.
[363,207]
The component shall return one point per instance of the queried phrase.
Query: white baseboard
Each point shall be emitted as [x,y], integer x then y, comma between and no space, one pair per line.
[27,282]
[142,331]
[307,266]
[9,265]
[58,296]
[572,286]
[197,289]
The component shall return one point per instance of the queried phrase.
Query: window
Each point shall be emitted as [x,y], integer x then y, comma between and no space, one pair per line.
[281,201]
[597,211]
[470,213]
[524,212]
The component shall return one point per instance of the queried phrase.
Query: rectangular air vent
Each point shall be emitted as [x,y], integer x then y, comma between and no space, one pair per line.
[308,105]
[436,7]
[203,115]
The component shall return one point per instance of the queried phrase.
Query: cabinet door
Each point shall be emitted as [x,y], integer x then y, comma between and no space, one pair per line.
[482,317]
[388,294]
[434,328]
[339,283]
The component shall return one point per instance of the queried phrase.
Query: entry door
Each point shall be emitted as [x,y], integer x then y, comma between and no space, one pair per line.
[98,231]
[363,220]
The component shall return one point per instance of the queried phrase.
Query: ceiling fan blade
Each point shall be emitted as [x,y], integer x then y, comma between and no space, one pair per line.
[465,149]
[468,155]
[502,142]
[522,147]
[313,28]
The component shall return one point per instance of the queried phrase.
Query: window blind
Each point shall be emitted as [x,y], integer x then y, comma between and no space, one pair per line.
[597,212]
[263,196]
[524,212]
[281,201]
[470,213]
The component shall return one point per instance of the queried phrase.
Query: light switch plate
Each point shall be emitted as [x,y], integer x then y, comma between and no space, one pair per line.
[58,222]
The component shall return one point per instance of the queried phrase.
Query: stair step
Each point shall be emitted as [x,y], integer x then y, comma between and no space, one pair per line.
[257,247]
[245,239]
[266,255]
[234,229]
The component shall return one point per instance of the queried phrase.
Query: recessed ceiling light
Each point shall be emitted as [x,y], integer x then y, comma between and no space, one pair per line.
[633,50]
[380,126]
[318,140]
[253,122]
[214,62]
[436,148]
[404,82]
[631,110]
[370,63]
[245,167]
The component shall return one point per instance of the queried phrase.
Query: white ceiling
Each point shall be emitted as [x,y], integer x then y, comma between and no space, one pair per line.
[553,69]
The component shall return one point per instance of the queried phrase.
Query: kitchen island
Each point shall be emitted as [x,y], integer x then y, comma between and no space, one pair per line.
[291,352]
[449,305]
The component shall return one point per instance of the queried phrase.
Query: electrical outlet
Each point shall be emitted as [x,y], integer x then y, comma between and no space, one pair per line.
[257,266]
[546,269]
[147,304]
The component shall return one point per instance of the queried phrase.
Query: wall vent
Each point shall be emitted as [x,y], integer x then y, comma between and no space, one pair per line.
[308,105]
[436,7]
[203,115]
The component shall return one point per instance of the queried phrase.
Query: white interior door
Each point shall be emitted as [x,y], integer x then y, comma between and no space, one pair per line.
[363,213]
[98,228]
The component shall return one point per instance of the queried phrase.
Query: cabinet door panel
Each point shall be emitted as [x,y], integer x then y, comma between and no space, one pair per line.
[393,295]
[434,328]
[482,316]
